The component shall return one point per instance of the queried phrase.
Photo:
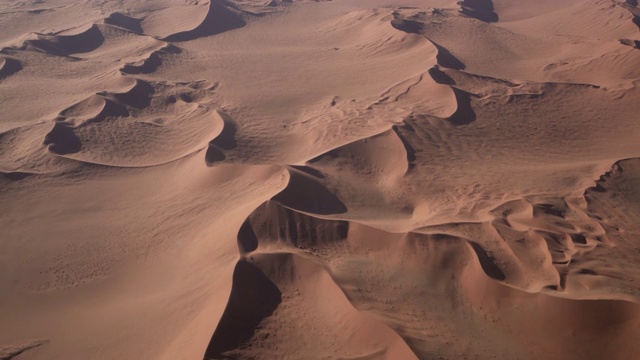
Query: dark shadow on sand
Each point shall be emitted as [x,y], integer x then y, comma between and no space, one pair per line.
[253,297]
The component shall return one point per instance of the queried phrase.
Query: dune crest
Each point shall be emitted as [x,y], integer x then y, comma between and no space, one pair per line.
[219,18]
[66,44]
[159,112]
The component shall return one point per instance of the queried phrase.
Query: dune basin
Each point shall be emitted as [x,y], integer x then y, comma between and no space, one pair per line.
[320,179]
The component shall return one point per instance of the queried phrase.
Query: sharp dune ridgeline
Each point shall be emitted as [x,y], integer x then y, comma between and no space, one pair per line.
[308,179]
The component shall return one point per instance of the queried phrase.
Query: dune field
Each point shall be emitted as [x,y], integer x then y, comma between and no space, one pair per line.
[319,179]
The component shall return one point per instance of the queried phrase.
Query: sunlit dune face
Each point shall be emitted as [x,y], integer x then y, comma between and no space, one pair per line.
[308,179]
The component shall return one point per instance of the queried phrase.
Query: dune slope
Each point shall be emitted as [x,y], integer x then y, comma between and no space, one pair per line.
[306,179]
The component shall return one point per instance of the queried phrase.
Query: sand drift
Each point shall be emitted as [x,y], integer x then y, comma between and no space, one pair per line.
[346,179]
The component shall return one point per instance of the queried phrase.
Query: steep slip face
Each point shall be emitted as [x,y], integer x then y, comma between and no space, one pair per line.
[66,67]
[536,234]
[341,53]
[431,289]
[538,47]
[139,275]
[218,19]
[479,9]
[305,307]
[115,164]
[142,123]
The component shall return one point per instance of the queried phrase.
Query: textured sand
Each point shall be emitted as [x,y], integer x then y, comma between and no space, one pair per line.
[300,179]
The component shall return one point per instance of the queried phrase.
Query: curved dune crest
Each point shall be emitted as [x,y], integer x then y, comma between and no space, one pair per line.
[253,298]
[83,41]
[150,62]
[22,153]
[632,7]
[277,230]
[95,108]
[125,22]
[598,19]
[305,193]
[523,238]
[219,18]
[385,156]
[224,141]
[287,295]
[62,140]
[275,223]
[95,129]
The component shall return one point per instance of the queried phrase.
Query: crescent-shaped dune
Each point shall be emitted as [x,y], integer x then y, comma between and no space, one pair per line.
[125,22]
[159,113]
[83,41]
[309,179]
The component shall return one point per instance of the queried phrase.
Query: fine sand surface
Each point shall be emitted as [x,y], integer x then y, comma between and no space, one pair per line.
[308,179]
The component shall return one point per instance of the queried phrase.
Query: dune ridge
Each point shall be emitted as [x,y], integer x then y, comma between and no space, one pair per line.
[84,41]
[219,18]
[159,111]
[125,22]
[134,100]
[270,230]
[557,244]
[564,228]
[290,272]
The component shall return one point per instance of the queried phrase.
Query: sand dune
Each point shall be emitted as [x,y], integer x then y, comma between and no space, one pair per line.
[450,267]
[150,62]
[346,179]
[125,22]
[86,40]
[157,113]
[218,19]
[297,312]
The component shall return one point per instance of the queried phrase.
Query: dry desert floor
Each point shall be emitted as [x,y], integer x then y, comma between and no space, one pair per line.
[300,179]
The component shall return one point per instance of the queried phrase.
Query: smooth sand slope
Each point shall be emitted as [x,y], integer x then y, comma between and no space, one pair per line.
[298,179]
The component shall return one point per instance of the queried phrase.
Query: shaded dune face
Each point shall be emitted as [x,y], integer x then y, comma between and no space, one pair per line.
[479,9]
[253,298]
[159,113]
[461,271]
[9,67]
[218,19]
[537,244]
[65,45]
[235,179]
